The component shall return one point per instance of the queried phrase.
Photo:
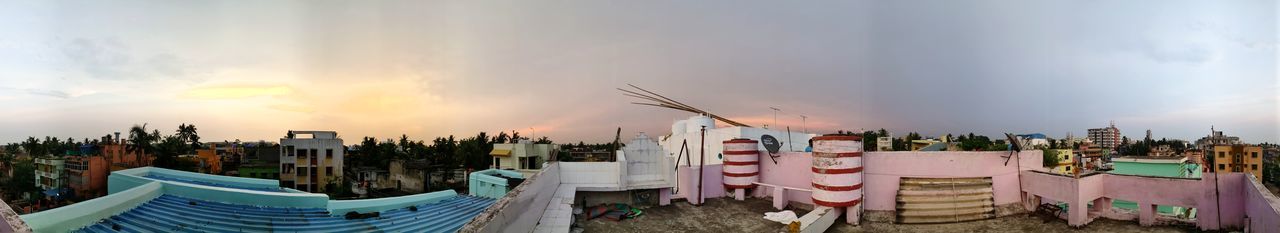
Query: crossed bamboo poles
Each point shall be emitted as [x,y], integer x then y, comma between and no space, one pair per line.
[664,102]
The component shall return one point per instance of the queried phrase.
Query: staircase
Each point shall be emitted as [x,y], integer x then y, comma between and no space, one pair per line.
[944,200]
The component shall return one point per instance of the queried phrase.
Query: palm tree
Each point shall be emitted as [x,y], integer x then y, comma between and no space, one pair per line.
[187,133]
[140,142]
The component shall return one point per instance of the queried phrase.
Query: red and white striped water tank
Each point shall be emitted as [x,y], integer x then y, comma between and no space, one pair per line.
[837,171]
[741,163]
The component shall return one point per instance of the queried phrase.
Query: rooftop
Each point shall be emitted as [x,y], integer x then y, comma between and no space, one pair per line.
[160,200]
[728,215]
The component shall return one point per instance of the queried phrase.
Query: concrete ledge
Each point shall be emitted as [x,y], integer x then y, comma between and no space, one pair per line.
[78,215]
[340,207]
[879,215]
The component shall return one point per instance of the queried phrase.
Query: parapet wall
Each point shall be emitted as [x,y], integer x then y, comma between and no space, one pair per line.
[522,207]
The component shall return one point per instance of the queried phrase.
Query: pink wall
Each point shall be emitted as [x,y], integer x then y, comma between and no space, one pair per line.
[1262,207]
[884,169]
[712,182]
[1231,201]
[1234,195]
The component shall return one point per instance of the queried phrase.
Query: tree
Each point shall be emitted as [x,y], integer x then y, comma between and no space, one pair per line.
[24,179]
[188,135]
[168,150]
[141,142]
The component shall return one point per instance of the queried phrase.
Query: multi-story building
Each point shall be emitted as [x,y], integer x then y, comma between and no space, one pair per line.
[1237,158]
[87,175]
[312,164]
[1108,137]
[1216,138]
[522,156]
[884,143]
[210,160]
[50,173]
[118,157]
[1160,151]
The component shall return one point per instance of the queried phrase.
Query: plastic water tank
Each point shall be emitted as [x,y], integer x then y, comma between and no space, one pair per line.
[837,171]
[678,127]
[741,163]
[695,123]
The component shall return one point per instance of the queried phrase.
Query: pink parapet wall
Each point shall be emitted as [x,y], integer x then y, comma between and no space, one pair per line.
[712,183]
[882,171]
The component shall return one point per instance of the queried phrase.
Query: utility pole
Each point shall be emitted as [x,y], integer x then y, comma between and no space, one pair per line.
[534,134]
[775,115]
[803,125]
[702,152]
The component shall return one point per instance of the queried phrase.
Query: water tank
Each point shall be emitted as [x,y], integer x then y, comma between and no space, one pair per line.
[837,171]
[695,123]
[678,127]
[741,164]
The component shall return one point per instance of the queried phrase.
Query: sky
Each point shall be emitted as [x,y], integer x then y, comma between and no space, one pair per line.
[254,70]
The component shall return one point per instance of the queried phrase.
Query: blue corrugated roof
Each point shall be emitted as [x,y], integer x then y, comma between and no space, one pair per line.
[169,213]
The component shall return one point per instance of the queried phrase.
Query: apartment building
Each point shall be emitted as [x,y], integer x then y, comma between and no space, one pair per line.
[311,161]
[1236,158]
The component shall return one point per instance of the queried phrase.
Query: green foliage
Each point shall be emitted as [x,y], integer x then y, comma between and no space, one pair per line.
[1051,158]
[23,180]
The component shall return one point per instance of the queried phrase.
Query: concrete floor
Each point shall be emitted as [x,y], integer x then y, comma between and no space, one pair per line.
[722,215]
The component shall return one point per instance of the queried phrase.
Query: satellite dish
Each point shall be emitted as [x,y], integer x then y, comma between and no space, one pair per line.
[770,143]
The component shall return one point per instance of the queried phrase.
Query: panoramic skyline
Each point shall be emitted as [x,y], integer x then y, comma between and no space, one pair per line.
[252,71]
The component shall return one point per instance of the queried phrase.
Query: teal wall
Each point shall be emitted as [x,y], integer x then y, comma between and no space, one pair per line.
[487,183]
[75,216]
[1156,169]
[338,207]
[1153,169]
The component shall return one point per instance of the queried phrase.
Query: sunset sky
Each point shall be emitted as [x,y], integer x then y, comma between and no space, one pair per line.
[252,70]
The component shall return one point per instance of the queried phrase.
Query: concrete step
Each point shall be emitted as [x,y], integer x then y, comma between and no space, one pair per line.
[944,192]
[945,205]
[941,186]
[933,198]
[946,219]
[945,212]
[930,181]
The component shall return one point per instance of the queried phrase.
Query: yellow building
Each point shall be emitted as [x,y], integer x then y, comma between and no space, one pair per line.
[1065,160]
[1236,158]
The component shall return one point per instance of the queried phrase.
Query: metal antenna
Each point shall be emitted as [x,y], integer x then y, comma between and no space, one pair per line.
[804,126]
[775,115]
[656,100]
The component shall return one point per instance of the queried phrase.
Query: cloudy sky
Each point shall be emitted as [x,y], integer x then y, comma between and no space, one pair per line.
[253,70]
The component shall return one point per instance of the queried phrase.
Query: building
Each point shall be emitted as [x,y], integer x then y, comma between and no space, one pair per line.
[409,176]
[261,160]
[1237,158]
[87,175]
[884,143]
[1160,151]
[50,173]
[209,160]
[311,161]
[521,156]
[119,158]
[1108,137]
[1033,140]
[1065,160]
[1216,138]
[1194,156]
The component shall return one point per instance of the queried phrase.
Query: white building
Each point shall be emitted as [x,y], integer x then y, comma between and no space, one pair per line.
[688,132]
[523,156]
[312,164]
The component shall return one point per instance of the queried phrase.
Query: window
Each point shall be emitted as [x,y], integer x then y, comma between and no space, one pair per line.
[1222,167]
[1222,154]
[302,171]
[315,153]
[302,153]
[1255,155]
[328,153]
[314,170]
[1255,167]
[289,149]
[328,170]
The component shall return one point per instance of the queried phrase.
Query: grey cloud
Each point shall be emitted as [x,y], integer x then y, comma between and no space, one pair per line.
[97,60]
[1194,54]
